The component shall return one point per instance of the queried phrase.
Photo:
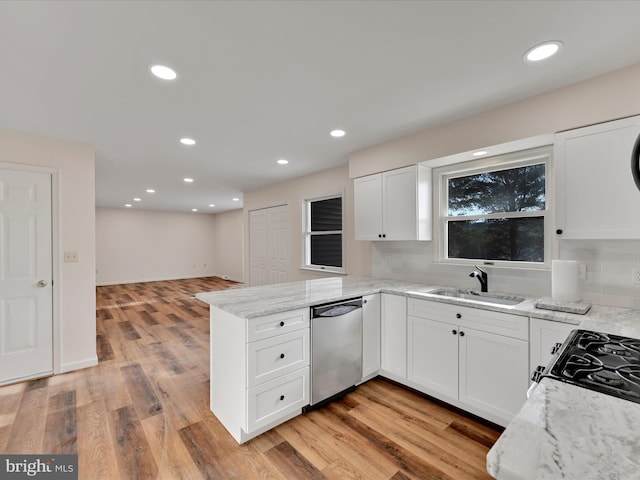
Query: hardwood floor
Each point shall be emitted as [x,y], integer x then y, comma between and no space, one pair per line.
[143,411]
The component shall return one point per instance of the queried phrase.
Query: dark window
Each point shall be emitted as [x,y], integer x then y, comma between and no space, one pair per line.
[508,239]
[323,235]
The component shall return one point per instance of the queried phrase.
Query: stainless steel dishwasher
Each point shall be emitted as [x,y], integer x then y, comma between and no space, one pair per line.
[336,349]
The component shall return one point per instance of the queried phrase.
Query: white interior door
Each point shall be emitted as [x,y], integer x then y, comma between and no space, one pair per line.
[278,250]
[26,304]
[268,245]
[258,247]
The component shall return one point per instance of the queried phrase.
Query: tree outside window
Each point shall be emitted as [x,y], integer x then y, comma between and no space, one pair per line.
[497,215]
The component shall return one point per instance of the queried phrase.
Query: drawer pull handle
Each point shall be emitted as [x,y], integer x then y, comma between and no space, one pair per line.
[458,315]
[282,324]
[281,397]
[462,334]
[282,355]
[454,332]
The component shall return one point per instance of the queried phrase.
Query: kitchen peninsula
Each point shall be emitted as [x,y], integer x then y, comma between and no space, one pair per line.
[562,431]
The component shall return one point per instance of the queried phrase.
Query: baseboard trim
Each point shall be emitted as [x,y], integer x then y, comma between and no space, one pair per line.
[125,282]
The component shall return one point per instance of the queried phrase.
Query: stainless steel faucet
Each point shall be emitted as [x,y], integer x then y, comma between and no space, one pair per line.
[482,277]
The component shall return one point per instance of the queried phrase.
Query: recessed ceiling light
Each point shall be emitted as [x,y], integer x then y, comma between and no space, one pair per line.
[128,205]
[282,161]
[235,199]
[212,205]
[338,133]
[479,153]
[542,51]
[150,190]
[188,180]
[163,72]
[194,209]
[187,141]
[137,199]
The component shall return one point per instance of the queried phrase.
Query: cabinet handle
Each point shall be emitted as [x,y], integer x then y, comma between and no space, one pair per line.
[384,235]
[559,231]
[379,235]
[458,315]
[462,334]
[364,301]
[282,355]
[282,324]
[454,332]
[281,397]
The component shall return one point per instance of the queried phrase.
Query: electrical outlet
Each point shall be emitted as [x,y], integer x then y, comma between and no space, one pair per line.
[71,257]
[635,275]
[582,271]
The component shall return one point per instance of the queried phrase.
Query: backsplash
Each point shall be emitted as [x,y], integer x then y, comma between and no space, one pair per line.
[609,270]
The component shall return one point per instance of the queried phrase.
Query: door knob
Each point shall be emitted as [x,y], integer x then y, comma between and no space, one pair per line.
[42,283]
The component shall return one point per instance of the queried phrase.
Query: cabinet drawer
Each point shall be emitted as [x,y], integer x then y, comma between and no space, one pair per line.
[515,326]
[276,399]
[276,356]
[277,324]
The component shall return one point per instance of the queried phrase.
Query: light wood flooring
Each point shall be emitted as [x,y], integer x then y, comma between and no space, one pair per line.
[143,412]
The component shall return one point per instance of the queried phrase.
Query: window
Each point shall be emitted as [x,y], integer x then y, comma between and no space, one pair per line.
[495,211]
[323,240]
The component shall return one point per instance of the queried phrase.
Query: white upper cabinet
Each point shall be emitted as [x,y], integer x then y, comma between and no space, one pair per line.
[393,205]
[596,195]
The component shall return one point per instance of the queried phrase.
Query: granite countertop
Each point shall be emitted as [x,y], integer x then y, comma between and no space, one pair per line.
[248,302]
[562,431]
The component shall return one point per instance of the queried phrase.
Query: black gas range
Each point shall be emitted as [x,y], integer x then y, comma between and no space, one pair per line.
[602,362]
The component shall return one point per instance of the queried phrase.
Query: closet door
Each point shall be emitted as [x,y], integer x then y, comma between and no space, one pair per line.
[268,245]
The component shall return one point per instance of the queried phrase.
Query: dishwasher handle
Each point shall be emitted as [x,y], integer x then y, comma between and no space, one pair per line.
[336,309]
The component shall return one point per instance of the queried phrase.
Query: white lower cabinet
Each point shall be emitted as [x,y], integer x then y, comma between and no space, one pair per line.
[475,359]
[370,336]
[493,372]
[393,362]
[268,402]
[543,336]
[433,355]
[259,370]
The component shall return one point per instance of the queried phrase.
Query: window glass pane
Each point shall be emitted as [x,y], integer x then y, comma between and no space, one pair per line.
[326,250]
[326,215]
[513,239]
[519,189]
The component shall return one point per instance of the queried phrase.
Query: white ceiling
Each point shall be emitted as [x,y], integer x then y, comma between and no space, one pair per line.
[263,80]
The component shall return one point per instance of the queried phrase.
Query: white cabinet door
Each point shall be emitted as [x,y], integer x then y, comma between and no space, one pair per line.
[433,355]
[394,335]
[393,205]
[493,372]
[399,205]
[367,193]
[543,336]
[595,192]
[370,335]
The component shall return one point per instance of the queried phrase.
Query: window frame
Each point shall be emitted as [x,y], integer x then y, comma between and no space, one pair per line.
[535,156]
[307,234]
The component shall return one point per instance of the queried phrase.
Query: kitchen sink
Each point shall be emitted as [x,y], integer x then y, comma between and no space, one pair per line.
[482,297]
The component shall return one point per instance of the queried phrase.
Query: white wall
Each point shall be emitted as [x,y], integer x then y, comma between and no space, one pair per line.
[143,245]
[229,245]
[74,229]
[599,99]
[293,193]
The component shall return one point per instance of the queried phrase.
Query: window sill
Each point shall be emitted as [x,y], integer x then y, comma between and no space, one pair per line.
[324,270]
